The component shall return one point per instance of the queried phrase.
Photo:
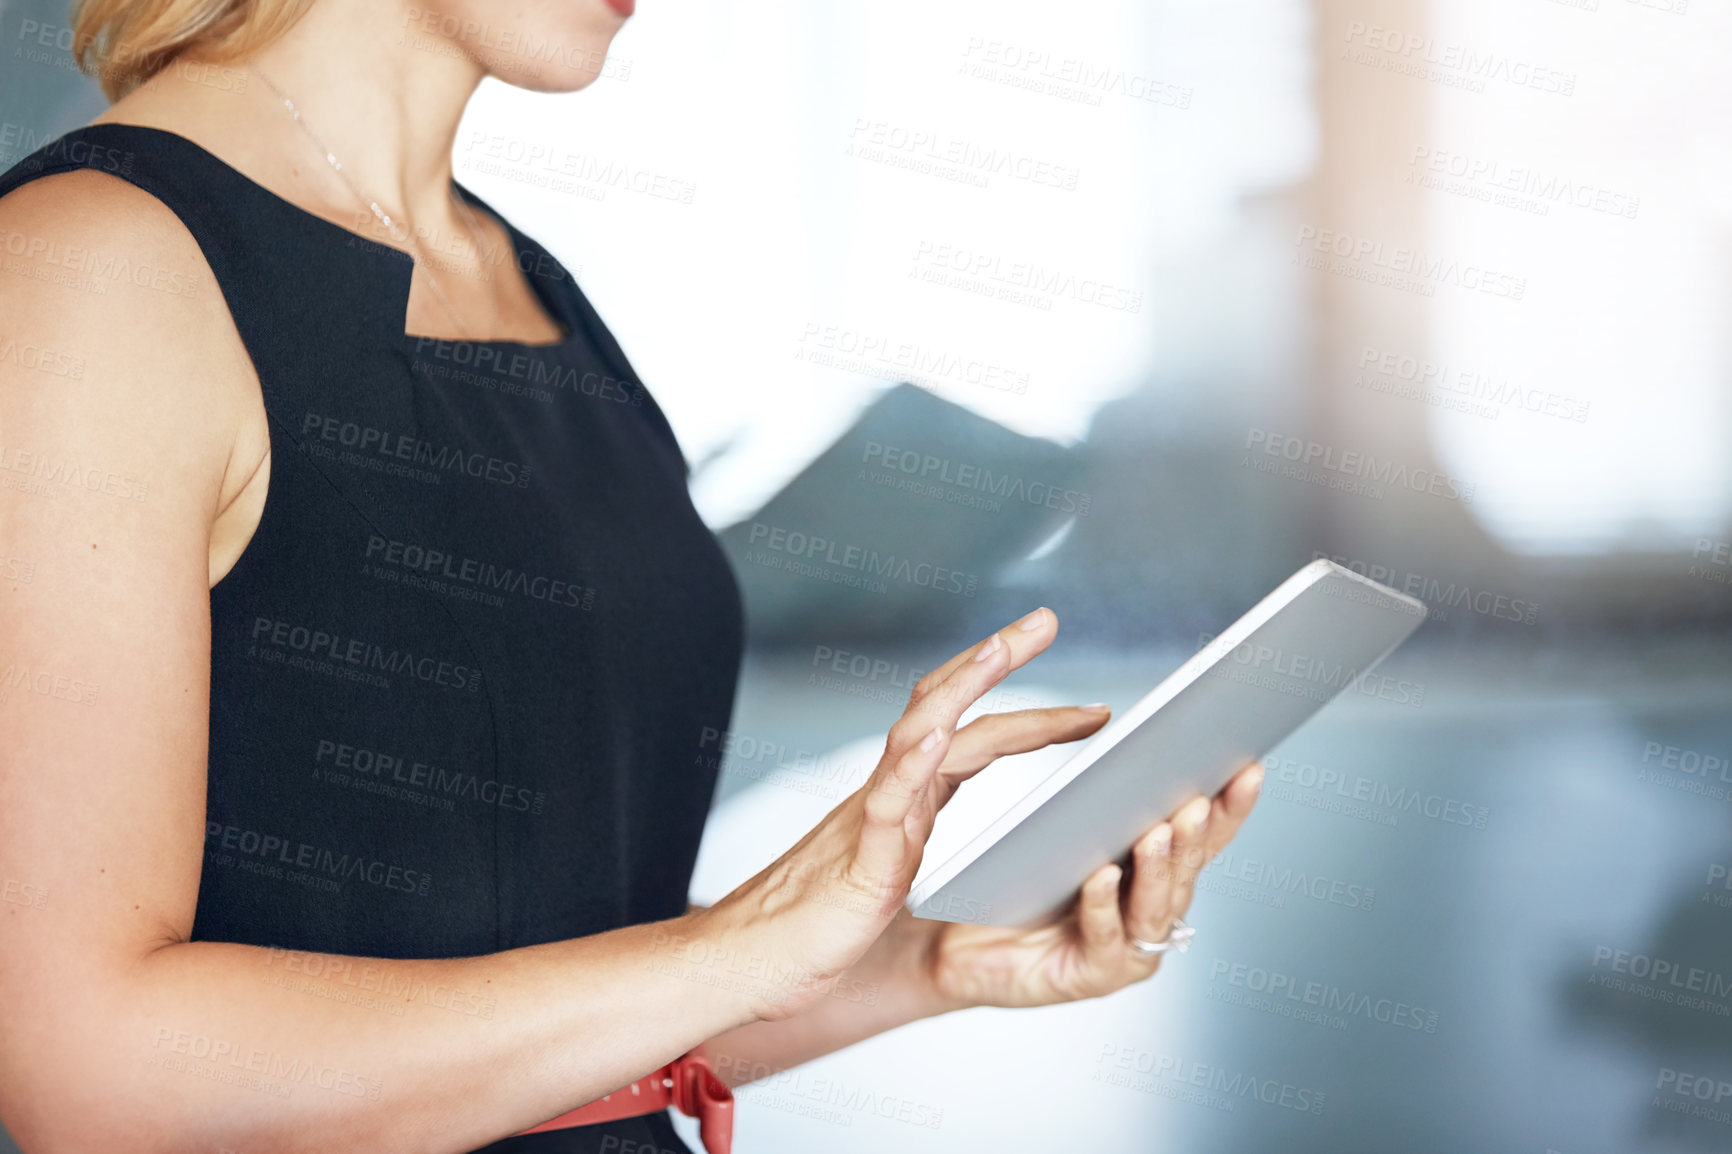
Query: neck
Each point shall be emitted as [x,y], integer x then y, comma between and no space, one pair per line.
[383,97]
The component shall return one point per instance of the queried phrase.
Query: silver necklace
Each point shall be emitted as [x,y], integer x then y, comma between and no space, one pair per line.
[397,231]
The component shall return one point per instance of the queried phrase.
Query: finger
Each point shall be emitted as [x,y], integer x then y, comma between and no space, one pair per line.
[996,735]
[1242,792]
[883,848]
[1202,830]
[941,707]
[1148,912]
[1231,807]
[1189,854]
[1099,926]
[1027,638]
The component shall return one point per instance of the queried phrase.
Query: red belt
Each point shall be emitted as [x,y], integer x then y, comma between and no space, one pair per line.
[687,1082]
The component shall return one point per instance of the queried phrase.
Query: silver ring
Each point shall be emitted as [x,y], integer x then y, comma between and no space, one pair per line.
[1178,938]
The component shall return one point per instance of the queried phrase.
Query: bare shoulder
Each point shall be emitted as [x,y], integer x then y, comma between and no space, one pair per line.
[117,335]
[90,209]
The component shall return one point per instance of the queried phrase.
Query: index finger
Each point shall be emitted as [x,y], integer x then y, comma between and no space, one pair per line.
[1027,638]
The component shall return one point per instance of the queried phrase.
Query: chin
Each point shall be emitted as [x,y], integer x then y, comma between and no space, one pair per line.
[537,45]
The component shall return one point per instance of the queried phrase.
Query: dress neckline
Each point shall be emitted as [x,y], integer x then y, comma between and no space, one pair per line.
[527,251]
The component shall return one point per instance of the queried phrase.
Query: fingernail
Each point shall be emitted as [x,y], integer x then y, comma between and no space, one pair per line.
[1097,706]
[1110,877]
[1163,840]
[1196,815]
[1255,777]
[1033,621]
[931,740]
[987,650]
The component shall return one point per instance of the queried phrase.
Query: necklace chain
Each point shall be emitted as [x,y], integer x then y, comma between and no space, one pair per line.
[398,232]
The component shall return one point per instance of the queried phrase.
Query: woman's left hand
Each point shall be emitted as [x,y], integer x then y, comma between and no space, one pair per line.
[1086,953]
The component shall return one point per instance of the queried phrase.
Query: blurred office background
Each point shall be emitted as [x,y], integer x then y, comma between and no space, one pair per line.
[1130,309]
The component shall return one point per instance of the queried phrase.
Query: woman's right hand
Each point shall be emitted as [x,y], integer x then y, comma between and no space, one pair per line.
[816,910]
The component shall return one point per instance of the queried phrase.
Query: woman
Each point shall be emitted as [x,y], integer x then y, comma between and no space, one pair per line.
[354,703]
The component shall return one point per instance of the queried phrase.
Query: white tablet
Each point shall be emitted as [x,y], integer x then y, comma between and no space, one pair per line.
[1317,635]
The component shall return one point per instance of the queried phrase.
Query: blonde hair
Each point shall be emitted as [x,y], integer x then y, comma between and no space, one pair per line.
[124,43]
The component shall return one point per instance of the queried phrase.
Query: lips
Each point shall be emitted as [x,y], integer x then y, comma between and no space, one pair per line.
[624,7]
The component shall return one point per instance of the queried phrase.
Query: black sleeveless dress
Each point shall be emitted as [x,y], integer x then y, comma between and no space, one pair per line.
[467,675]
